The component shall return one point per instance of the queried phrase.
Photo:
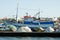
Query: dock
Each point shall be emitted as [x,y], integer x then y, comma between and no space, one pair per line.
[29,34]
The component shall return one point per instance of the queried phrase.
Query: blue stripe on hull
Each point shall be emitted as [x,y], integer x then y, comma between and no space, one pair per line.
[34,26]
[37,23]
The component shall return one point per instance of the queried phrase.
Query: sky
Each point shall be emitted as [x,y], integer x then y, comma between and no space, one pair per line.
[47,8]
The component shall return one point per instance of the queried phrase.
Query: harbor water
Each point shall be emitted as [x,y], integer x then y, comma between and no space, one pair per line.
[29,38]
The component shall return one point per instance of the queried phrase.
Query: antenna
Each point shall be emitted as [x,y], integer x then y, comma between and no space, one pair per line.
[17,11]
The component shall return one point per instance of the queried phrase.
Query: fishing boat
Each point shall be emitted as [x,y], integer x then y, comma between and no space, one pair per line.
[31,24]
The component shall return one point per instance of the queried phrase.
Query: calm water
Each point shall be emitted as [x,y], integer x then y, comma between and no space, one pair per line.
[29,38]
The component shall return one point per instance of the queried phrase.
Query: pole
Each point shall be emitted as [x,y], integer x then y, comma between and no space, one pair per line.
[17,11]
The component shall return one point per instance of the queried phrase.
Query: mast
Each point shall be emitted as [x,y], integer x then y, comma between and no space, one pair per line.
[39,17]
[17,11]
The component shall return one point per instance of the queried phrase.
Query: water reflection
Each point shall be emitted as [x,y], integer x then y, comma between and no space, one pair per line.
[29,38]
